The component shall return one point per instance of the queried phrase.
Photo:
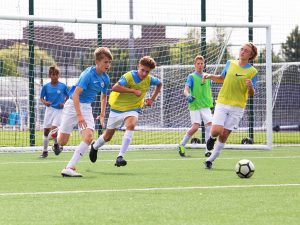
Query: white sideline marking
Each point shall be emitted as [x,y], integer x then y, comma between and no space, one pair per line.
[44,161]
[147,189]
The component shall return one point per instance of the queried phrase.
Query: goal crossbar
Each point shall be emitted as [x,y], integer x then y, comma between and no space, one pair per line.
[268,45]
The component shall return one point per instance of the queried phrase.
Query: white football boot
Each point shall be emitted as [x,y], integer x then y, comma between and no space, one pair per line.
[70,172]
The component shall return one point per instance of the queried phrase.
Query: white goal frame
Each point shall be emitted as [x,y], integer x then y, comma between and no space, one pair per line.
[267,28]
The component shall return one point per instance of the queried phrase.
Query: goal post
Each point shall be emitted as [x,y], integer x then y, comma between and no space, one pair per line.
[174,45]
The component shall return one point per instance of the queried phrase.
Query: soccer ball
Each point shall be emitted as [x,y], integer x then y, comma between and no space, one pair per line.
[244,168]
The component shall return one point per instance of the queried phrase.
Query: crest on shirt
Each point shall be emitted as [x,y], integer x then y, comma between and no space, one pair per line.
[102,84]
[58,92]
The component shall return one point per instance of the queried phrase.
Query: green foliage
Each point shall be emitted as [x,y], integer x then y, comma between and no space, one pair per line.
[17,55]
[188,48]
[120,64]
[184,52]
[261,58]
[291,48]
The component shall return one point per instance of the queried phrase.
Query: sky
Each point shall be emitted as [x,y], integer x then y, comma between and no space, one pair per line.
[282,15]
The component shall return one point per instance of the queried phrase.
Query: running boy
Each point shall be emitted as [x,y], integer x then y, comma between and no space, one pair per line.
[126,101]
[78,109]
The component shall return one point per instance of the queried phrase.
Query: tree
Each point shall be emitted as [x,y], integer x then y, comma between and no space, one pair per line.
[291,48]
[16,56]
[186,49]
[261,58]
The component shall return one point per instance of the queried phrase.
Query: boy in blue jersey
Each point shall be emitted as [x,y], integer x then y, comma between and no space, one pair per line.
[239,80]
[53,96]
[126,101]
[78,109]
[198,94]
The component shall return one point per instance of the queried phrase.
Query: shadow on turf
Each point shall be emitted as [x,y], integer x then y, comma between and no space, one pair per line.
[113,173]
[220,169]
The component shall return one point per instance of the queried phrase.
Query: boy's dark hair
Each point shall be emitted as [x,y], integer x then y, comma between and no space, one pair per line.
[53,69]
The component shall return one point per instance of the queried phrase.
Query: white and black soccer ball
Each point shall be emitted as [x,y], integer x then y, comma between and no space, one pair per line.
[244,168]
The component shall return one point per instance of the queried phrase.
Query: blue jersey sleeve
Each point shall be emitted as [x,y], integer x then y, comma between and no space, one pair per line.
[254,80]
[224,72]
[122,81]
[43,92]
[84,80]
[189,81]
[154,81]
[66,91]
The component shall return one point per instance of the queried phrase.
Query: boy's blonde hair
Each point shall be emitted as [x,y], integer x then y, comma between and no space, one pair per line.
[148,61]
[53,69]
[102,52]
[199,57]
[253,50]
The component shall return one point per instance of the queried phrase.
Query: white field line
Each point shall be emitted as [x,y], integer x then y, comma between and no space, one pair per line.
[149,189]
[44,161]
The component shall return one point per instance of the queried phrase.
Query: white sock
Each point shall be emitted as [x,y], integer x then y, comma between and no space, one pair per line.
[99,142]
[207,133]
[216,152]
[45,143]
[79,152]
[126,141]
[185,139]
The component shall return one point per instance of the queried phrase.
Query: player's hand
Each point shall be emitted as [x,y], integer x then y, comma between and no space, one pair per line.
[190,98]
[81,122]
[206,76]
[249,83]
[61,105]
[138,93]
[47,104]
[101,117]
[148,102]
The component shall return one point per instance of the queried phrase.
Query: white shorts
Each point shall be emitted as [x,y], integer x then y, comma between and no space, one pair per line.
[202,114]
[115,120]
[228,116]
[52,117]
[69,117]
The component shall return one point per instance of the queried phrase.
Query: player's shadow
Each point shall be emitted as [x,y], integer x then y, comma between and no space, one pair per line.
[112,173]
[221,169]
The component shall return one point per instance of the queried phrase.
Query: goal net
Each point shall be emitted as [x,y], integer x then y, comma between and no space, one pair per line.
[70,44]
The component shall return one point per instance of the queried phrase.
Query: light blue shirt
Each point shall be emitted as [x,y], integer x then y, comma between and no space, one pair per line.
[154,81]
[92,83]
[55,94]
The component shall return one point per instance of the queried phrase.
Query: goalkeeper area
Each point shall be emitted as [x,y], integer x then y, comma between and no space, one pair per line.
[41,42]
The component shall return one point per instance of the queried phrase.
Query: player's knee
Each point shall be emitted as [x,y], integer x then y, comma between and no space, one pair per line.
[223,137]
[107,137]
[88,138]
[62,142]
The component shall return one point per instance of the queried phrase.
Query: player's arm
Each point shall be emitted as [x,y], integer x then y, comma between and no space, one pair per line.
[149,101]
[251,84]
[218,78]
[186,91]
[188,85]
[122,89]
[42,98]
[80,118]
[215,78]
[45,102]
[101,117]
